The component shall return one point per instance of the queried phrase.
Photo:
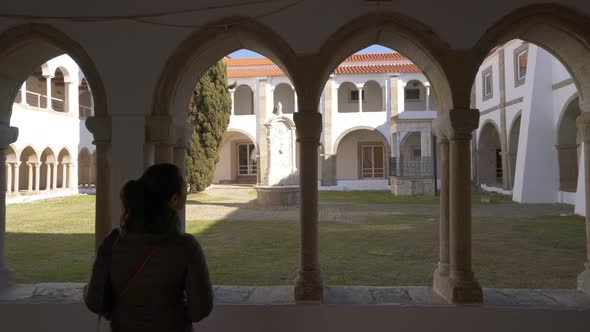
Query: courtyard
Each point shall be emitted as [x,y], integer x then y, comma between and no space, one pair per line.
[366,238]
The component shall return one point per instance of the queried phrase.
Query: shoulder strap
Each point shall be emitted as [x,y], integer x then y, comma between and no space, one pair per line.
[151,254]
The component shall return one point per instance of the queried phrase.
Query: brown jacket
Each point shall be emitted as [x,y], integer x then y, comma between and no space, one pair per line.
[172,291]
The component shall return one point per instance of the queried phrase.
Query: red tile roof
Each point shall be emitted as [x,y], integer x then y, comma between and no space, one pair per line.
[268,68]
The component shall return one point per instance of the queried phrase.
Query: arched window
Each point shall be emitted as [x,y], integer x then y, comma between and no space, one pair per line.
[84,100]
[59,92]
[243,100]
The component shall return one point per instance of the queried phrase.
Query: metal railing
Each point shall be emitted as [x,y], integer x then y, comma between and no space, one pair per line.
[36,99]
[57,104]
[247,170]
[415,167]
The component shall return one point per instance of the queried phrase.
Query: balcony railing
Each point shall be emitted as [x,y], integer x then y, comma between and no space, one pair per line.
[415,167]
[40,100]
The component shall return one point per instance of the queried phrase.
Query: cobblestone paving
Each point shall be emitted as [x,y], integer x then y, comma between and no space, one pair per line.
[239,203]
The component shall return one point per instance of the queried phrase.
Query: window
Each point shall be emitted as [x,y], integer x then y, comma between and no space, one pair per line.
[521,55]
[246,159]
[353,97]
[413,94]
[487,84]
[521,63]
[372,161]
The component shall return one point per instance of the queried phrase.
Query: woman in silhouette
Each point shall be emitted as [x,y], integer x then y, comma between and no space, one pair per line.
[148,275]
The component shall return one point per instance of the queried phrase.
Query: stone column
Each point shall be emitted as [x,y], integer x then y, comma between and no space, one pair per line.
[457,125]
[16,166]
[329,159]
[37,176]
[48,106]
[89,175]
[308,285]
[71,176]
[8,178]
[160,132]
[54,177]
[100,127]
[48,184]
[8,135]
[30,174]
[583,124]
[64,177]
[441,274]
[360,89]
[184,134]
[393,95]
[233,103]
[427,97]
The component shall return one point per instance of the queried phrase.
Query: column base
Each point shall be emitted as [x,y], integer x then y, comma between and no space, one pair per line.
[458,290]
[309,287]
[6,277]
[584,280]
[440,278]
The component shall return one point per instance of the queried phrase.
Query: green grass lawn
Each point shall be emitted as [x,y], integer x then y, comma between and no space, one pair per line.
[53,241]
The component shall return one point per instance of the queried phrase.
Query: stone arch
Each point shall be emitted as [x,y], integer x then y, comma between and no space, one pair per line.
[513,140]
[561,31]
[373,97]
[85,168]
[489,154]
[28,158]
[351,157]
[11,154]
[59,91]
[205,47]
[406,35]
[411,103]
[243,100]
[285,94]
[237,158]
[64,159]
[568,145]
[48,160]
[29,46]
[345,104]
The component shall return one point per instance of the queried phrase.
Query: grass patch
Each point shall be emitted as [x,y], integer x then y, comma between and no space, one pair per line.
[53,240]
[204,197]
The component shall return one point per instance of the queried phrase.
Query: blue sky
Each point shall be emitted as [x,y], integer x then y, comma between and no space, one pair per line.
[249,54]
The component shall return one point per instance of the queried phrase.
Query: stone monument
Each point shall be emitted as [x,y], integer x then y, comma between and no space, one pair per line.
[280,185]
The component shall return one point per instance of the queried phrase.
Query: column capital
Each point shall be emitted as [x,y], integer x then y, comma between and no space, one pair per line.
[583,125]
[160,129]
[100,127]
[456,124]
[8,135]
[308,126]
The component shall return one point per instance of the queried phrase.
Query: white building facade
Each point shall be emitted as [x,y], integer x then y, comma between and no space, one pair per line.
[359,141]
[527,144]
[54,154]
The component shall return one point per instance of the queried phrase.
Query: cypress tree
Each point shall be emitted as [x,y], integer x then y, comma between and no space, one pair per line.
[208,112]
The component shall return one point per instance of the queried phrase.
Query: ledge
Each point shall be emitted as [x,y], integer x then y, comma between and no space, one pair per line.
[408,296]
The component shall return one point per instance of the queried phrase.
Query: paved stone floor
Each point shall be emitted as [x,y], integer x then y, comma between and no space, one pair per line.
[339,295]
[239,203]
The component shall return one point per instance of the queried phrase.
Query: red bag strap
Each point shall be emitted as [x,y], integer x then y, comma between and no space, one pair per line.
[152,253]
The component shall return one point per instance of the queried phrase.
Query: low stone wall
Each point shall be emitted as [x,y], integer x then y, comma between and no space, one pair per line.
[412,186]
[277,195]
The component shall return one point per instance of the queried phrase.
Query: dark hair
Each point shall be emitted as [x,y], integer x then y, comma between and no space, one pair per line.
[146,200]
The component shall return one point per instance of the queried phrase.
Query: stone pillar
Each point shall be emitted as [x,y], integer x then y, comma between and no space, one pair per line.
[88,175]
[441,274]
[160,132]
[8,178]
[100,127]
[48,106]
[296,106]
[184,134]
[71,176]
[329,159]
[393,95]
[360,89]
[54,177]
[8,135]
[37,176]
[48,176]
[64,177]
[308,285]
[30,175]
[261,133]
[427,97]
[16,166]
[23,91]
[233,102]
[583,124]
[457,125]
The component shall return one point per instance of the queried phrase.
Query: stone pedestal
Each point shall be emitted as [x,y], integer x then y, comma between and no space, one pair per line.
[277,195]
